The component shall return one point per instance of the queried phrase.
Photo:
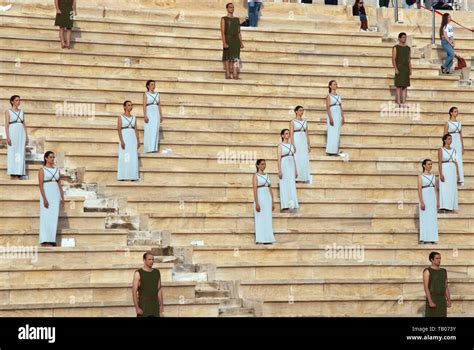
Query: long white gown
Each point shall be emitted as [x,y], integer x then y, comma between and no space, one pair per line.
[302,154]
[429,216]
[288,197]
[334,131]
[448,190]
[16,152]
[263,219]
[151,136]
[128,157]
[454,129]
[49,216]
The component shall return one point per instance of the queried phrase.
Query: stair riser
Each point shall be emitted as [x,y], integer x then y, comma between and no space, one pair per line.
[186,208]
[173,294]
[311,256]
[334,272]
[64,222]
[338,238]
[168,82]
[81,240]
[75,276]
[118,311]
[91,258]
[358,308]
[301,223]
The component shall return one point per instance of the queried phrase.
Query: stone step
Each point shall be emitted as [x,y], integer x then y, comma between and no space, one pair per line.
[39,256]
[148,65]
[164,221]
[186,17]
[345,270]
[369,123]
[251,80]
[107,139]
[370,108]
[90,107]
[156,39]
[82,238]
[77,221]
[247,237]
[237,312]
[237,171]
[244,155]
[311,290]
[209,11]
[81,272]
[107,309]
[360,307]
[186,207]
[292,253]
[193,196]
[26,206]
[239,161]
[211,290]
[379,86]
[181,28]
[377,53]
[72,293]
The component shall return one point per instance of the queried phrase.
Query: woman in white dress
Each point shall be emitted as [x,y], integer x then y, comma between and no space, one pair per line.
[52,198]
[287,172]
[429,204]
[129,143]
[335,119]
[153,117]
[17,138]
[448,176]
[454,128]
[300,139]
[263,204]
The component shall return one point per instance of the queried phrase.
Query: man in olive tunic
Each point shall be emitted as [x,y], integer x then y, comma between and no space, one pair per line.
[147,293]
[435,281]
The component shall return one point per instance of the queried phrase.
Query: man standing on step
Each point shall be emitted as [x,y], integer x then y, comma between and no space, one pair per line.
[147,293]
[435,281]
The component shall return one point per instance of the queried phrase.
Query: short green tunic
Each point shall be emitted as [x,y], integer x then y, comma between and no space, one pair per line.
[64,20]
[402,79]
[232,30]
[437,286]
[148,293]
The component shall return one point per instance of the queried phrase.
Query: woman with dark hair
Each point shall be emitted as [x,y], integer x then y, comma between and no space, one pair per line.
[335,119]
[65,12]
[448,176]
[446,33]
[359,10]
[401,60]
[129,143]
[287,172]
[263,204]
[429,204]
[300,140]
[231,41]
[453,127]
[153,116]
[17,138]
[52,197]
